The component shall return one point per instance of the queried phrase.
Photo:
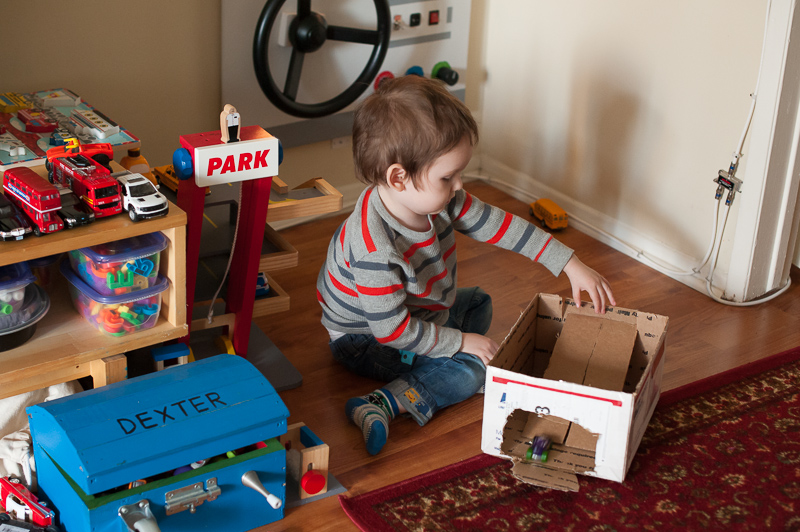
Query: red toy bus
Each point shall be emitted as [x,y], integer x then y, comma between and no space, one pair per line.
[38,199]
[84,172]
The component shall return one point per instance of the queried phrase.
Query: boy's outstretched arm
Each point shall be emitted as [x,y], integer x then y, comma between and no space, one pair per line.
[582,277]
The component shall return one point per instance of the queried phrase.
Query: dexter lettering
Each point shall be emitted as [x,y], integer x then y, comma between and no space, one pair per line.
[151,419]
[247,161]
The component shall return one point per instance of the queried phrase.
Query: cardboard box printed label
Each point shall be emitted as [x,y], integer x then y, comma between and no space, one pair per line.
[586,382]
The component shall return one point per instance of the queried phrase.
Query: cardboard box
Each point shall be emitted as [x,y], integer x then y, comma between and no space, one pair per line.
[615,362]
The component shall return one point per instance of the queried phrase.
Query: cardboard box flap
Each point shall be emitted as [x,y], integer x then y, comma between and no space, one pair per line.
[592,351]
[109,436]
[580,438]
[562,461]
[543,476]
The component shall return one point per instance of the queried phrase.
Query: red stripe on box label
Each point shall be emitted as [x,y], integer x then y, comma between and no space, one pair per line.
[501,380]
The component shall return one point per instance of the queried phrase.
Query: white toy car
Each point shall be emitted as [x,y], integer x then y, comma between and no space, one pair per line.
[140,197]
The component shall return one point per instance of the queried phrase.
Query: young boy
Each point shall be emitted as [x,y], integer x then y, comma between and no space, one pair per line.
[388,287]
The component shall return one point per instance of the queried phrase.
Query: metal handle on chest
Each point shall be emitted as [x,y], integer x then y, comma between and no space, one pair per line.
[138,517]
[251,480]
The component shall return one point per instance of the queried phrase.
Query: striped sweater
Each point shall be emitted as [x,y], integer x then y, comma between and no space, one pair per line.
[384,279]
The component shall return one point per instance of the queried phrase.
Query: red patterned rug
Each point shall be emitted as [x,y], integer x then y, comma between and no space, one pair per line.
[720,454]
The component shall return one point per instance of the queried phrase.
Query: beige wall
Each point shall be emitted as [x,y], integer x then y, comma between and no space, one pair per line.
[624,109]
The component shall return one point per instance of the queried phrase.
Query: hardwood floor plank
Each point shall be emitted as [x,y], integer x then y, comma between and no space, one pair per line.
[703,338]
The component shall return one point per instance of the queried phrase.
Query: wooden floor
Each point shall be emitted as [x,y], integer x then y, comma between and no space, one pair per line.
[704,338]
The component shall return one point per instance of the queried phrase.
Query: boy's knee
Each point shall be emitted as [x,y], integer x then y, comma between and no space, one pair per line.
[474,374]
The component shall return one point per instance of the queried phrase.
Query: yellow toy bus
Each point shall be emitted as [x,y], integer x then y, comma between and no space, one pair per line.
[549,214]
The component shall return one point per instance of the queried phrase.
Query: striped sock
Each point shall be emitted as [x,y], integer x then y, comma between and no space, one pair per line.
[372,414]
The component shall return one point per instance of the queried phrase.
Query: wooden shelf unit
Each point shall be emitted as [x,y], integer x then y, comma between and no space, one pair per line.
[280,254]
[65,346]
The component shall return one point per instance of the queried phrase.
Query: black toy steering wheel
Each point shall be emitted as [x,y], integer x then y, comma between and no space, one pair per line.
[307,33]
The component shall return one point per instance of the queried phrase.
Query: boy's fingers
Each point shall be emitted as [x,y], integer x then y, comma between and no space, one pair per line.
[576,296]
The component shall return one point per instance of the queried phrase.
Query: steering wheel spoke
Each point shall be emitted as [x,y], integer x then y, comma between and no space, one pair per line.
[340,33]
[292,84]
[303,8]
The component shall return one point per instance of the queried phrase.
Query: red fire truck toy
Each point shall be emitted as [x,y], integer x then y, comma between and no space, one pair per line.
[83,169]
[22,505]
[38,199]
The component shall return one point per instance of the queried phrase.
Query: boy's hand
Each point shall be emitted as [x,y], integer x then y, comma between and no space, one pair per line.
[479,345]
[582,277]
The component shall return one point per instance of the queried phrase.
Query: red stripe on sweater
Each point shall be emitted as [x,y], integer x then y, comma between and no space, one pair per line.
[342,288]
[431,282]
[378,290]
[503,228]
[413,249]
[543,248]
[364,226]
[465,207]
[397,332]
[449,251]
[341,241]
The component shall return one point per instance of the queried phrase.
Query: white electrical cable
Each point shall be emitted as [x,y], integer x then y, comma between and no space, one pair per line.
[230,257]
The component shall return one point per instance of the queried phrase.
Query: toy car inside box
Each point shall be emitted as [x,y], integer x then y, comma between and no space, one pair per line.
[116,315]
[580,386]
[22,304]
[122,266]
[219,414]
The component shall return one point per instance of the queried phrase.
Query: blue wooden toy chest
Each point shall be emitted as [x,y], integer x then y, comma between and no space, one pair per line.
[90,447]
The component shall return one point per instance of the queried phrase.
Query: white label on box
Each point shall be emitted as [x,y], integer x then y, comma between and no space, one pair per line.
[236,161]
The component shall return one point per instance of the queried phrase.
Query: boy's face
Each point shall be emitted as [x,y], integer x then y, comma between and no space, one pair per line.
[439,184]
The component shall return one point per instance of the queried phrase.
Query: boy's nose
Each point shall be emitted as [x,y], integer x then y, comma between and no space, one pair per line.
[457,184]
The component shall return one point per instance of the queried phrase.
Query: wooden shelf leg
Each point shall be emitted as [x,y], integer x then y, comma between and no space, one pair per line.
[109,370]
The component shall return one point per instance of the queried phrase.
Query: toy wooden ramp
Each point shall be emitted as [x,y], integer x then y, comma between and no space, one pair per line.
[315,196]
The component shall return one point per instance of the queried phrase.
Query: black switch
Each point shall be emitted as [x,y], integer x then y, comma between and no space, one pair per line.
[415,19]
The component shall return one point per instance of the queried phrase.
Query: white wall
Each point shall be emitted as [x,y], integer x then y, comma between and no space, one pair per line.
[622,110]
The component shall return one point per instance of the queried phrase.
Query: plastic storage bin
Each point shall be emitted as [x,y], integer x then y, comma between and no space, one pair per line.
[22,305]
[116,315]
[120,267]
[45,269]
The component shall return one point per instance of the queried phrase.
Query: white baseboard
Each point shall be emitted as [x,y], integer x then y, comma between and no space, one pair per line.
[599,226]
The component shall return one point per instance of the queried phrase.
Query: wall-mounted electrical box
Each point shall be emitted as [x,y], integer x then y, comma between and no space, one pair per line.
[429,38]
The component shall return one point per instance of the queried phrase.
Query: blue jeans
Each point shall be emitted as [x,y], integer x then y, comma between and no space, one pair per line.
[427,384]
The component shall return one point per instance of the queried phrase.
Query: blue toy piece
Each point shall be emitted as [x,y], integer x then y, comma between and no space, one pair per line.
[169,352]
[182,163]
[90,446]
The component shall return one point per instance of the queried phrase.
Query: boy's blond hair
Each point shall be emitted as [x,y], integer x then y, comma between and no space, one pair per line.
[411,121]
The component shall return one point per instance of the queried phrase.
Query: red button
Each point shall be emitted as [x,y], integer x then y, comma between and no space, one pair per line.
[433,17]
[312,482]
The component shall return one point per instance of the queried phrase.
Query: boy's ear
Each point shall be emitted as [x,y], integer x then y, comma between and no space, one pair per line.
[396,177]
